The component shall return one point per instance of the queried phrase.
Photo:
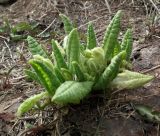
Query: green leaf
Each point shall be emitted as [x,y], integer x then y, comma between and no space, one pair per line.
[65,42]
[23,26]
[110,72]
[67,74]
[68,27]
[72,92]
[29,103]
[99,56]
[91,37]
[46,61]
[93,68]
[93,61]
[59,60]
[45,75]
[126,44]
[2,29]
[7,25]
[130,80]
[111,35]
[35,48]
[126,64]
[31,74]
[78,71]
[15,37]
[117,49]
[73,49]
[148,113]
[59,74]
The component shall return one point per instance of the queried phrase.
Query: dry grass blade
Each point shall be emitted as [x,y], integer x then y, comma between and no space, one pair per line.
[154,5]
[46,28]
[108,6]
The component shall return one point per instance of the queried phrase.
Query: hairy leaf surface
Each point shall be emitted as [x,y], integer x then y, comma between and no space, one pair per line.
[148,113]
[31,74]
[110,72]
[67,23]
[72,92]
[67,74]
[59,75]
[29,103]
[130,80]
[111,35]
[35,48]
[60,62]
[73,49]
[91,37]
[78,71]
[126,44]
[45,75]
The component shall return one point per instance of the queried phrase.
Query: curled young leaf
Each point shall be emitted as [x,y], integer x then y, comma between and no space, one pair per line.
[66,74]
[92,67]
[130,80]
[29,103]
[99,57]
[93,61]
[98,52]
[72,92]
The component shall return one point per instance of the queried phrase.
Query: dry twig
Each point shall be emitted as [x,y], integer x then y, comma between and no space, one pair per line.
[151,69]
[154,5]
[108,6]
[46,28]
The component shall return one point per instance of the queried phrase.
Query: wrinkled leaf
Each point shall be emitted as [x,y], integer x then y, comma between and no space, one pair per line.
[35,48]
[67,23]
[72,92]
[111,35]
[148,113]
[59,75]
[45,73]
[29,103]
[78,71]
[59,59]
[73,48]
[31,74]
[126,44]
[110,72]
[91,37]
[23,26]
[130,80]
[16,37]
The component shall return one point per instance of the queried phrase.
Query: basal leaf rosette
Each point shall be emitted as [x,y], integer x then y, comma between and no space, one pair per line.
[74,70]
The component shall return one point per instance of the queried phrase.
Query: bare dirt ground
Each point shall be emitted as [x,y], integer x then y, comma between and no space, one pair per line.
[97,115]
